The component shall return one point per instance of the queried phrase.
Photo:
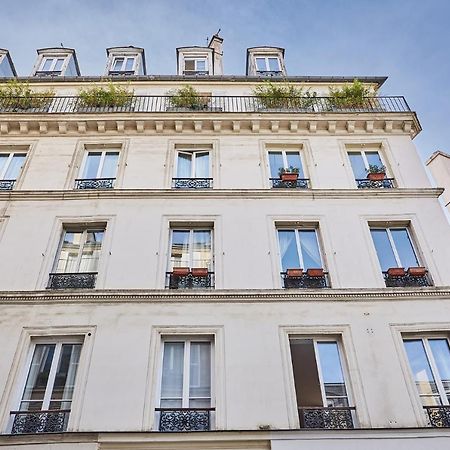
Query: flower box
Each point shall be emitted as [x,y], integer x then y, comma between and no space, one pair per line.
[294,272]
[180,271]
[315,273]
[396,272]
[199,271]
[417,271]
[376,176]
[289,176]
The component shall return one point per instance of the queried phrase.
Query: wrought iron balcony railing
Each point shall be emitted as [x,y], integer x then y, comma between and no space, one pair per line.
[48,421]
[94,183]
[48,73]
[81,280]
[7,185]
[438,416]
[299,183]
[337,418]
[189,281]
[305,281]
[215,103]
[407,280]
[192,183]
[365,183]
[184,419]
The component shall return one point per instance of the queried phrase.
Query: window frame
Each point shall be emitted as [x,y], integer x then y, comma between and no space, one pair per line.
[284,153]
[266,63]
[55,59]
[11,155]
[196,58]
[101,162]
[124,63]
[193,152]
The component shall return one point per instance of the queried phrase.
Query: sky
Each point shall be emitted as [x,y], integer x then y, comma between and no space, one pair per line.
[406,40]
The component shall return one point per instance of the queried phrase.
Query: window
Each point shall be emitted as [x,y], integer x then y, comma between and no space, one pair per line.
[193,168]
[429,361]
[301,260]
[47,396]
[98,170]
[361,161]
[10,167]
[286,169]
[267,64]
[195,66]
[76,264]
[186,385]
[191,262]
[123,64]
[322,396]
[52,64]
[396,252]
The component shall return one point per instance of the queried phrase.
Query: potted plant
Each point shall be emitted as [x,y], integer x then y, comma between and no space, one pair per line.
[180,271]
[294,273]
[186,98]
[350,96]
[199,271]
[396,272]
[417,271]
[18,96]
[315,272]
[376,173]
[288,174]
[283,96]
[110,96]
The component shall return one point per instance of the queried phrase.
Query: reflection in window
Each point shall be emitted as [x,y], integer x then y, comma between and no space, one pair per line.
[101,164]
[191,248]
[299,248]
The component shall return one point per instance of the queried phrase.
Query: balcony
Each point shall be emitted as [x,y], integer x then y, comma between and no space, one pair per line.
[94,183]
[365,183]
[7,185]
[192,183]
[189,279]
[184,419]
[413,277]
[50,421]
[311,279]
[438,416]
[336,418]
[299,183]
[81,280]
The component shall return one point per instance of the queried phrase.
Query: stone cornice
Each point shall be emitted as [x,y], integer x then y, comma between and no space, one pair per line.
[222,296]
[350,194]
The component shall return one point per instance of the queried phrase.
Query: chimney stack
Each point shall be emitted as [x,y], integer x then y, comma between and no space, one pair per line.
[216,44]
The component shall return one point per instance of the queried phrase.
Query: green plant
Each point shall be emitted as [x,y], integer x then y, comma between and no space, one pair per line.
[374,168]
[350,96]
[283,95]
[290,169]
[100,96]
[18,95]
[186,97]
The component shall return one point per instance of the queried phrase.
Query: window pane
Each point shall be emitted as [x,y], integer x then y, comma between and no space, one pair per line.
[109,168]
[184,165]
[421,370]
[15,166]
[201,165]
[200,374]
[47,64]
[274,64]
[130,64]
[357,162]
[65,376]
[3,159]
[288,250]
[201,64]
[404,248]
[189,64]
[69,252]
[179,255]
[261,64]
[275,163]
[373,158]
[201,252]
[441,353]
[37,379]
[118,62]
[58,65]
[172,375]
[332,376]
[91,166]
[383,248]
[310,249]
[294,160]
[91,251]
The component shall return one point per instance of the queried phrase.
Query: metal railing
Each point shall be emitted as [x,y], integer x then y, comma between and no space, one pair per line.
[305,281]
[94,183]
[121,73]
[7,185]
[438,416]
[216,103]
[81,280]
[184,419]
[407,280]
[48,73]
[365,183]
[299,183]
[192,183]
[44,421]
[189,281]
[195,72]
[336,418]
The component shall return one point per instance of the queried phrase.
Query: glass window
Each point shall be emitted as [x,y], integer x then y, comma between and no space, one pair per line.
[123,64]
[11,165]
[100,164]
[191,248]
[267,64]
[195,64]
[394,248]
[361,160]
[281,159]
[193,164]
[52,64]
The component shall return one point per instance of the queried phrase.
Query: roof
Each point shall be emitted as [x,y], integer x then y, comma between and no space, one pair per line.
[8,57]
[435,155]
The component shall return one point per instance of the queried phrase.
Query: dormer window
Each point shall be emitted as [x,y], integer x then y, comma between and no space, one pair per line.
[51,66]
[266,64]
[266,61]
[123,64]
[123,61]
[6,65]
[195,66]
[56,62]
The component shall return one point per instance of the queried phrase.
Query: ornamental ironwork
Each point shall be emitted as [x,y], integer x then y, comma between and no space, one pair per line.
[95,183]
[82,280]
[406,280]
[184,419]
[54,421]
[305,281]
[331,418]
[299,183]
[365,183]
[6,185]
[270,73]
[438,416]
[192,183]
[190,281]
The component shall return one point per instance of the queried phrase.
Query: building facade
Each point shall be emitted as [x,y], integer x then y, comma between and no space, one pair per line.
[221,272]
[439,165]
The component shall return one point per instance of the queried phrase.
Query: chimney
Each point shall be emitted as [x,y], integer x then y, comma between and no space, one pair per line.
[216,44]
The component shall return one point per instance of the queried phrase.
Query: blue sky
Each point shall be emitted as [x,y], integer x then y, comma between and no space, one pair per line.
[408,41]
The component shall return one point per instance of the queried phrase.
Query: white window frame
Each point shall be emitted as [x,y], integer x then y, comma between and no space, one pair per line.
[364,158]
[284,156]
[52,66]
[8,163]
[266,63]
[100,164]
[196,59]
[193,153]
[124,63]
